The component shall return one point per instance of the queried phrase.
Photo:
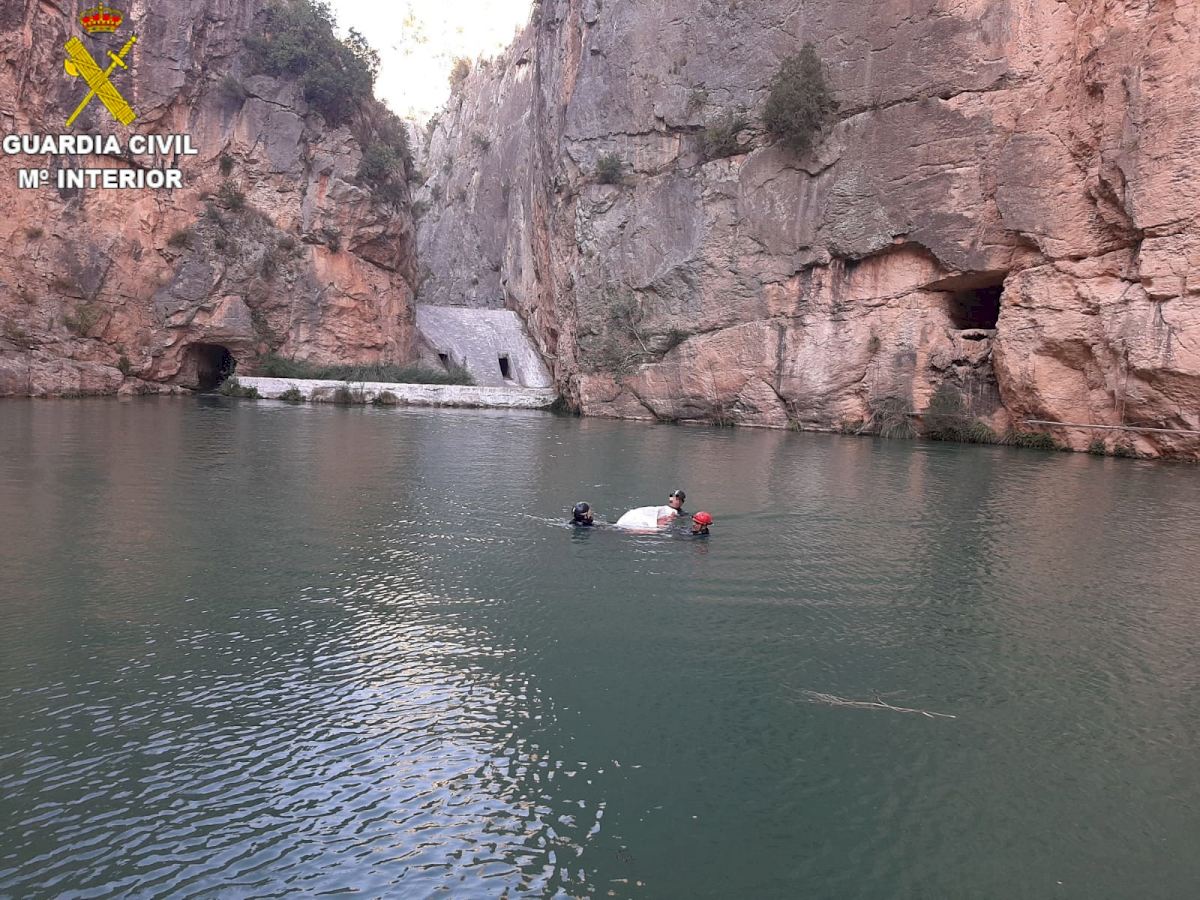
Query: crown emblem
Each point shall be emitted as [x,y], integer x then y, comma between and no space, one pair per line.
[100,19]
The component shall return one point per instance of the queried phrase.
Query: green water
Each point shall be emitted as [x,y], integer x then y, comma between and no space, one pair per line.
[254,649]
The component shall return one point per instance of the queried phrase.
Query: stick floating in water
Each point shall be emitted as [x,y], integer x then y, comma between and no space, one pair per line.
[817,697]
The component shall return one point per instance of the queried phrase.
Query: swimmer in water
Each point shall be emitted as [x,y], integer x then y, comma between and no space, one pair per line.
[581,515]
[700,523]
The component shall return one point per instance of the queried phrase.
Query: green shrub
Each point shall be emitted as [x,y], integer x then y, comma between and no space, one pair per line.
[720,138]
[268,265]
[890,418]
[1123,447]
[609,168]
[292,395]
[1097,448]
[231,387]
[333,239]
[380,164]
[459,73]
[1031,440]
[481,141]
[180,239]
[84,318]
[287,244]
[348,395]
[800,104]
[945,418]
[33,232]
[978,432]
[232,91]
[225,164]
[298,41]
[124,366]
[274,366]
[386,398]
[722,415]
[383,169]
[231,197]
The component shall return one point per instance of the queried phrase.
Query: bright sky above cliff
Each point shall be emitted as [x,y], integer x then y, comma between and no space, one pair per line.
[418,40]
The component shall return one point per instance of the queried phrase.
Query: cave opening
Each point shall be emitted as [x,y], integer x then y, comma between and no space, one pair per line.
[976,307]
[214,364]
[505,368]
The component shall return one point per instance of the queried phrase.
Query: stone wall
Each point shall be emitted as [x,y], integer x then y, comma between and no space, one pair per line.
[477,339]
[362,392]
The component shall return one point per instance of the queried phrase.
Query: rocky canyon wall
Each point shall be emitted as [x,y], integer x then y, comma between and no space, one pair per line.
[271,245]
[1006,204]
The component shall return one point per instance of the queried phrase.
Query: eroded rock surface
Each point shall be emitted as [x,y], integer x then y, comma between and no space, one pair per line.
[1007,202]
[106,290]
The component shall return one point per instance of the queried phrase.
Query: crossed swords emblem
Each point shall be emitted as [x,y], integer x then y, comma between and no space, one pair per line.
[80,63]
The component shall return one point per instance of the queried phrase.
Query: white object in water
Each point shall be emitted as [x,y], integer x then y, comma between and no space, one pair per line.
[645,517]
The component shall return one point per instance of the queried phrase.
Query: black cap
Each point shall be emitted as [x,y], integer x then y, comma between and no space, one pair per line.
[678,493]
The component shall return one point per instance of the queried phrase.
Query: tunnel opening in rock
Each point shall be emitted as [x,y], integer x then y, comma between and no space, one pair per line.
[976,307]
[214,364]
[505,368]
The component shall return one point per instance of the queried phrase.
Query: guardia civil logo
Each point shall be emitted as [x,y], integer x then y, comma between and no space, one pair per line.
[100,21]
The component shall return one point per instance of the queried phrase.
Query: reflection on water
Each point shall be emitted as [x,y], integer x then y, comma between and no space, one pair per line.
[258,649]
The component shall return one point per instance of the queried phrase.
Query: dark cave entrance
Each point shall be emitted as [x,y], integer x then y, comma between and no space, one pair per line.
[976,307]
[214,364]
[505,368]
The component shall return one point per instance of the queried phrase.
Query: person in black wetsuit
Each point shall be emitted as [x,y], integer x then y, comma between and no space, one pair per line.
[675,501]
[700,523]
[581,515]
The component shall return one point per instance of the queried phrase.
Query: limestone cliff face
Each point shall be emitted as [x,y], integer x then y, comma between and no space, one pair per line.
[1007,202]
[307,266]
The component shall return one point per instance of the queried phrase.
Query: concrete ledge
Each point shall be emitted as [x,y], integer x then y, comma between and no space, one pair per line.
[409,394]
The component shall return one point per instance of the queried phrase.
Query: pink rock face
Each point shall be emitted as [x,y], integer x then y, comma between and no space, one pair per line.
[104,291]
[1007,204]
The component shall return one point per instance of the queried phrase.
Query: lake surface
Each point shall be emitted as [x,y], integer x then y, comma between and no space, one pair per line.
[249,649]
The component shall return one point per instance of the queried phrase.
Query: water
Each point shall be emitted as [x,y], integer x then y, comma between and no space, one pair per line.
[253,649]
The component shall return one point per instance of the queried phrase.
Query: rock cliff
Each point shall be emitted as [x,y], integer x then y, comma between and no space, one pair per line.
[1006,205]
[271,245]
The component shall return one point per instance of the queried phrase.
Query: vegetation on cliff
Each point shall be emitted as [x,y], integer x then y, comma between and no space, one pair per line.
[800,104]
[298,41]
[278,367]
[337,75]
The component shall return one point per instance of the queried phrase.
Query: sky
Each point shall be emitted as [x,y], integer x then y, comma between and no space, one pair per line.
[418,40]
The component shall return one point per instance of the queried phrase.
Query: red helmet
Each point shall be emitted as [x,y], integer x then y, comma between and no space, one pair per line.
[702,518]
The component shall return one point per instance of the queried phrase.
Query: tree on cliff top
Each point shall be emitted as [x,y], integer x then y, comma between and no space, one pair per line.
[459,74]
[299,41]
[800,104]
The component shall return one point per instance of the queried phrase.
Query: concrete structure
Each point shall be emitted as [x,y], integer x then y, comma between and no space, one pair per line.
[490,343]
[409,394]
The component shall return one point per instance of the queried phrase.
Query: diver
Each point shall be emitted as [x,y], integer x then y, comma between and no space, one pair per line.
[700,523]
[581,515]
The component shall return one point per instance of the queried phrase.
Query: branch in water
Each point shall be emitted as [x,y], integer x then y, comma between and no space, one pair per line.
[816,697]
